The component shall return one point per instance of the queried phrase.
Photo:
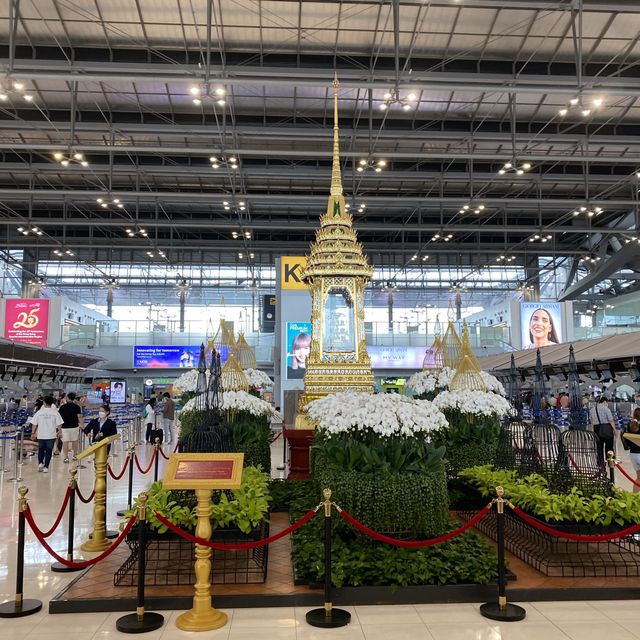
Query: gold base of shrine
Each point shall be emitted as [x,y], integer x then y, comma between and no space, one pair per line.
[205,620]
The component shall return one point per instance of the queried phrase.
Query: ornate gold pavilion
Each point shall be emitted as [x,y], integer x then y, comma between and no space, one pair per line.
[337,272]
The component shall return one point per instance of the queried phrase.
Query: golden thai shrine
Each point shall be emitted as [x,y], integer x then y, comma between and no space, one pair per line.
[337,273]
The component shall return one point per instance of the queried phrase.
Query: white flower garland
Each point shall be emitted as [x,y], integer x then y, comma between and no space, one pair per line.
[384,414]
[473,402]
[429,380]
[188,381]
[238,401]
[258,379]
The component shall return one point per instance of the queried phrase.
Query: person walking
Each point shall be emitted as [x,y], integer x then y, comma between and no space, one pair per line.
[168,416]
[72,422]
[103,426]
[604,427]
[46,423]
[149,417]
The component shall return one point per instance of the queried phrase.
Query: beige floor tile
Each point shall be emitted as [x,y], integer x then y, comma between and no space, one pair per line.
[388,614]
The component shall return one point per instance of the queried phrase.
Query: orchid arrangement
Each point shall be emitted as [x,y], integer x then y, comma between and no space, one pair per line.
[238,401]
[258,379]
[430,380]
[473,402]
[188,381]
[493,384]
[382,414]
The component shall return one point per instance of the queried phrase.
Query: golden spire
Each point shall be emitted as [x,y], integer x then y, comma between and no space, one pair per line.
[336,178]
[468,376]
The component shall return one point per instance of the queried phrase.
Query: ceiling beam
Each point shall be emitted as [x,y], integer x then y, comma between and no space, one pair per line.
[414,156]
[627,254]
[297,76]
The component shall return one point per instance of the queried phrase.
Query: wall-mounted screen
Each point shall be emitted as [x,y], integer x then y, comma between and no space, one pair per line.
[540,324]
[165,357]
[118,391]
[298,348]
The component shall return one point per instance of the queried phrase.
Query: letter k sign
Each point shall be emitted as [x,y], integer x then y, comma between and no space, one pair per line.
[291,268]
[291,272]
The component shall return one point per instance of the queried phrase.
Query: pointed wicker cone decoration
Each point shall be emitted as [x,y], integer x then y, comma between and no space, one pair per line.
[244,354]
[433,355]
[233,378]
[224,338]
[451,345]
[467,376]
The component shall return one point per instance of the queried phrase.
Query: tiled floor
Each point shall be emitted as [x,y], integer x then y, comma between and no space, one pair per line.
[620,620]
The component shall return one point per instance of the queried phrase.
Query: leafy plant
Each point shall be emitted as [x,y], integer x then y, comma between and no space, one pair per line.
[533,494]
[285,494]
[359,561]
[244,508]
[370,453]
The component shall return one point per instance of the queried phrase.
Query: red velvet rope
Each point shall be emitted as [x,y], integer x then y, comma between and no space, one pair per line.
[574,464]
[235,547]
[163,454]
[534,522]
[124,468]
[153,457]
[626,475]
[277,436]
[82,498]
[63,508]
[415,543]
[69,563]
[176,447]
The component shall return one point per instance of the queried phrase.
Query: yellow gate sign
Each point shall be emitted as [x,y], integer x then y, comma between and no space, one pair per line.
[291,268]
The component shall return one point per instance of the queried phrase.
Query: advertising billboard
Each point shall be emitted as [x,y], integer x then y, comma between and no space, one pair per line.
[27,320]
[540,324]
[165,357]
[396,357]
[298,348]
[118,393]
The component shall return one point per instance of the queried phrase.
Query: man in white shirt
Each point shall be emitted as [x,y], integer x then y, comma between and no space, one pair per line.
[46,423]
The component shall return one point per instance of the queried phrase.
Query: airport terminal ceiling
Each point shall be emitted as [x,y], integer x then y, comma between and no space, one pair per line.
[157,141]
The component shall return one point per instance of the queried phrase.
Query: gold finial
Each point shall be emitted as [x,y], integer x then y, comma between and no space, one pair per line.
[73,471]
[142,505]
[336,179]
[500,492]
[22,500]
[326,493]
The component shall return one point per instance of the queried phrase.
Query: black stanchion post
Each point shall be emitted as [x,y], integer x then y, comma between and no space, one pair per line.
[20,607]
[501,610]
[156,462]
[327,617]
[58,567]
[141,621]
[611,463]
[132,453]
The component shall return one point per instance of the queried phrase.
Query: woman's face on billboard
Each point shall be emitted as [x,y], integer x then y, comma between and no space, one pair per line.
[540,325]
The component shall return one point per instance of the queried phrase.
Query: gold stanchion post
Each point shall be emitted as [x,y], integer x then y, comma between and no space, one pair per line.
[202,616]
[98,540]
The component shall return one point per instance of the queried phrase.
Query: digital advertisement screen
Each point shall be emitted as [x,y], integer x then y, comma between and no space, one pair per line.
[118,392]
[396,357]
[540,324]
[27,320]
[165,357]
[298,348]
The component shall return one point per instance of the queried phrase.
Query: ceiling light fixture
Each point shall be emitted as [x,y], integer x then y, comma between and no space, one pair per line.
[29,230]
[61,253]
[540,238]
[588,211]
[472,207]
[107,202]
[392,98]
[369,164]
[513,166]
[14,89]
[504,258]
[232,162]
[133,231]
[441,236]
[71,157]
[201,93]
[577,104]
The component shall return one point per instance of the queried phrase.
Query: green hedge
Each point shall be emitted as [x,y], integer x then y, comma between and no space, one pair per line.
[407,505]
[468,559]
